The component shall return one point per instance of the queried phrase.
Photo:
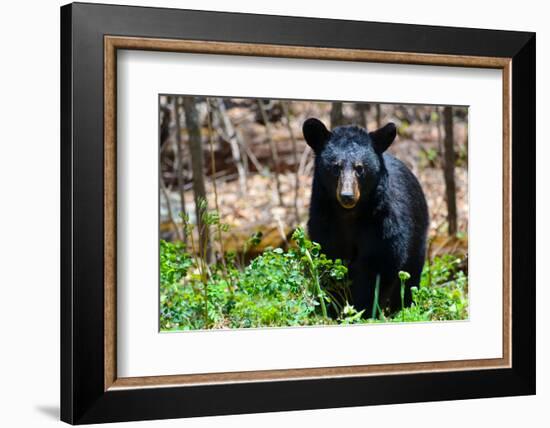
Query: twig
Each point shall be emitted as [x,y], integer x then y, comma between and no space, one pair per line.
[303,160]
[254,160]
[169,208]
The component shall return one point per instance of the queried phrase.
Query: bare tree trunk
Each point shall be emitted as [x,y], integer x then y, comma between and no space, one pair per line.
[165,122]
[336,115]
[197,166]
[378,115]
[180,158]
[165,118]
[209,115]
[449,170]
[439,132]
[295,161]
[234,139]
[362,110]
[274,154]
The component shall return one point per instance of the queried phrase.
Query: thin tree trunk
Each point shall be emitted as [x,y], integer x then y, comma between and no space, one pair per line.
[336,115]
[274,154]
[215,187]
[235,142]
[165,122]
[378,115]
[439,132]
[295,161]
[165,119]
[449,170]
[362,110]
[197,166]
[180,157]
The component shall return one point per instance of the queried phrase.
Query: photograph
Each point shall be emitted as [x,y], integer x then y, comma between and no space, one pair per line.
[293,213]
[264,211]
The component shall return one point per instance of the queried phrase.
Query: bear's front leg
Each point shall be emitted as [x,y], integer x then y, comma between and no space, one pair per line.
[363,282]
[363,289]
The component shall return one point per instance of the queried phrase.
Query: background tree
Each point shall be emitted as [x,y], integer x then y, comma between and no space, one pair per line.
[180,157]
[378,109]
[286,115]
[192,123]
[336,115]
[273,148]
[449,170]
[165,136]
[231,135]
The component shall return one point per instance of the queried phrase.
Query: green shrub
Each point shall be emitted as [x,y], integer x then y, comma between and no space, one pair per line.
[442,294]
[296,287]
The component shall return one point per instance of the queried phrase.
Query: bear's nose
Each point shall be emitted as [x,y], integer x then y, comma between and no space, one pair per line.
[347,198]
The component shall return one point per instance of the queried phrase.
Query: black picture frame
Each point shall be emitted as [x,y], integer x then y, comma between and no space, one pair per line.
[83,396]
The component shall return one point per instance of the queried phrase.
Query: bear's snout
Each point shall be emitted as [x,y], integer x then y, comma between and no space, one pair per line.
[347,192]
[347,199]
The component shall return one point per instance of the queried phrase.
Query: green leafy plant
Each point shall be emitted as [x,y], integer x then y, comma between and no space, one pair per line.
[350,315]
[403,278]
[292,287]
[442,294]
[429,157]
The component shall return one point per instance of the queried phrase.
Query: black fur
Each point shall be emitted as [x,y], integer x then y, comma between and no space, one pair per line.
[385,232]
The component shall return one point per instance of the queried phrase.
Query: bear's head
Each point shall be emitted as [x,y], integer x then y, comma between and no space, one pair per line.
[348,159]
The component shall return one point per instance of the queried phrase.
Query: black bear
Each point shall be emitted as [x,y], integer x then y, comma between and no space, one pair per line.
[368,209]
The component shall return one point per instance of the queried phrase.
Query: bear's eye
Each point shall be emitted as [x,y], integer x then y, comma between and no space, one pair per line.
[335,167]
[359,169]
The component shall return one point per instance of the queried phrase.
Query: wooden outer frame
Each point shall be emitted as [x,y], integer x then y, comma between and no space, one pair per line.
[114,43]
[90,391]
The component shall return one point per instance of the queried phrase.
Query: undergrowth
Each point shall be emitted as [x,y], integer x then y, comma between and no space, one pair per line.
[295,287]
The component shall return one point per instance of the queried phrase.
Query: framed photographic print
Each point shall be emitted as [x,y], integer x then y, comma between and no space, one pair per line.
[265,213]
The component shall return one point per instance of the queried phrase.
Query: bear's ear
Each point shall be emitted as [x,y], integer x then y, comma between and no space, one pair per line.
[315,133]
[383,137]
